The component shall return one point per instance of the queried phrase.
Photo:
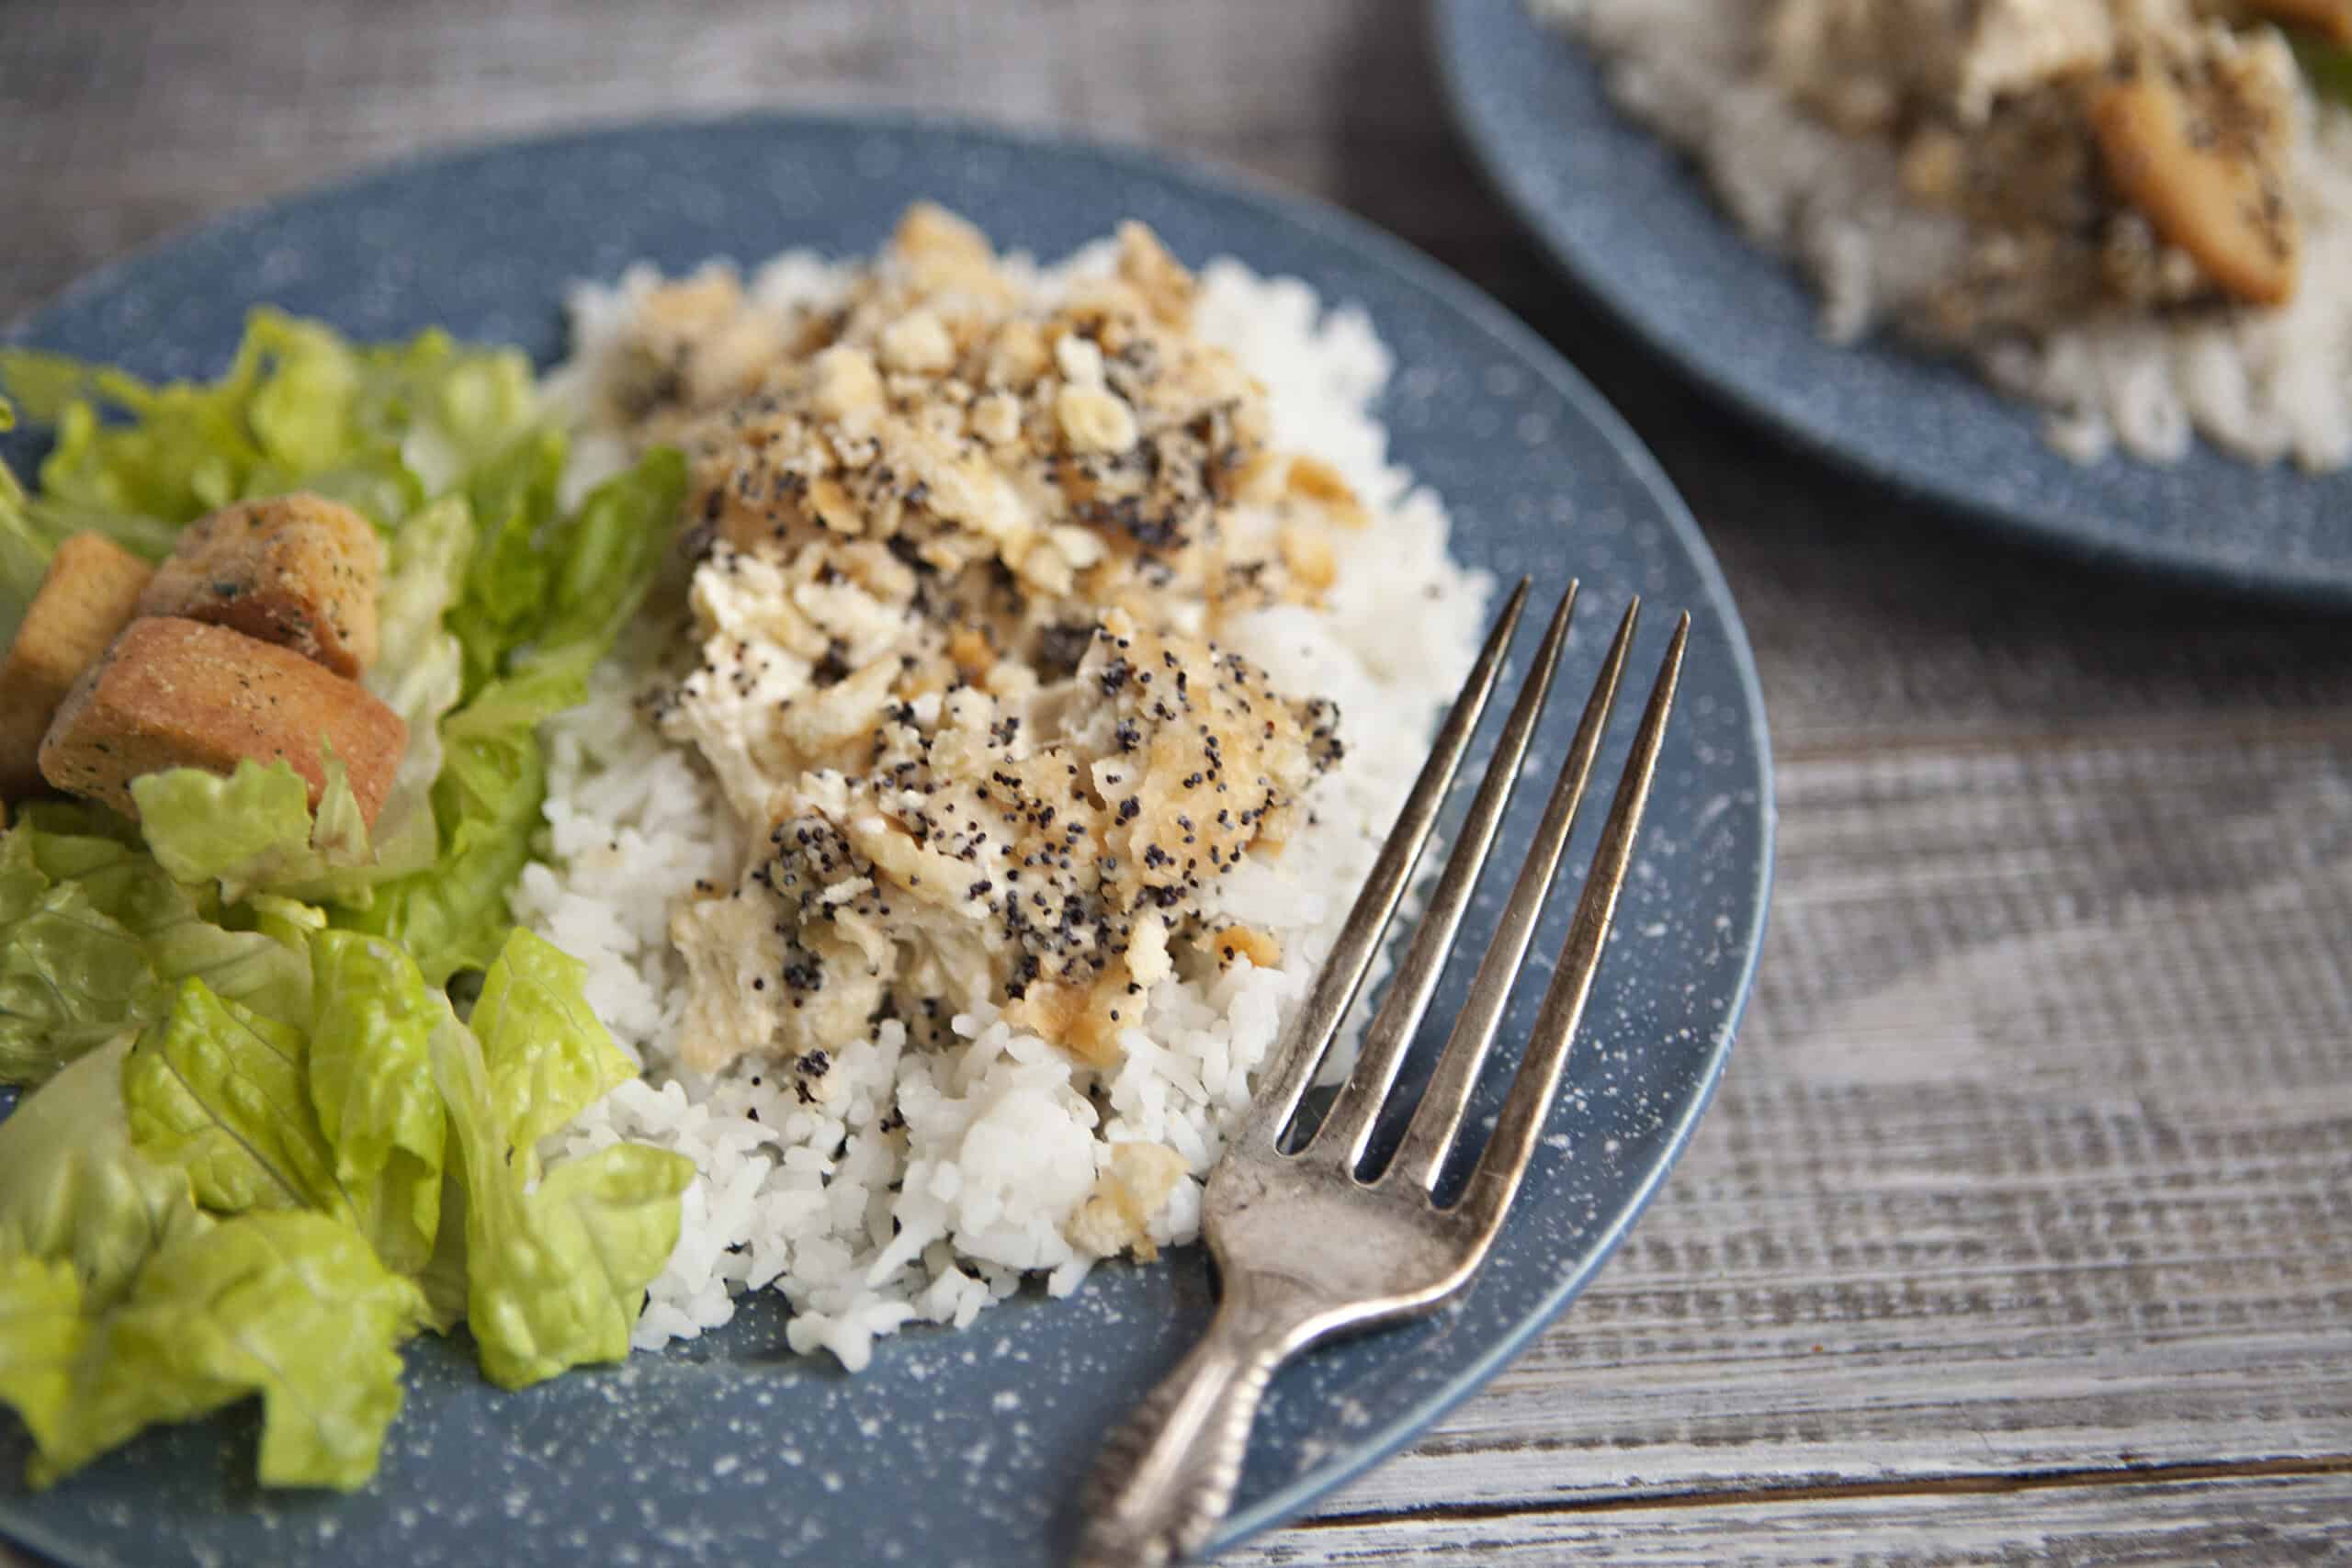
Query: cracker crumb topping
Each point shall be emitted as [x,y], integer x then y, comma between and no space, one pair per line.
[964,546]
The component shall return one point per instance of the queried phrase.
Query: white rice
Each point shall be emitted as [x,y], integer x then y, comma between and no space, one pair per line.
[2263,384]
[865,1230]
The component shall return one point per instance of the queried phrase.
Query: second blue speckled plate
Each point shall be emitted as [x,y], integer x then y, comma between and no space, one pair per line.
[1633,222]
[964,1448]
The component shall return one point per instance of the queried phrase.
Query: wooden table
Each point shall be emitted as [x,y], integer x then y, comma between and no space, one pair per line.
[2022,1227]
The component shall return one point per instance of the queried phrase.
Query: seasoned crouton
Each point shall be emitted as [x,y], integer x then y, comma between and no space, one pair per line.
[86,598]
[298,570]
[175,693]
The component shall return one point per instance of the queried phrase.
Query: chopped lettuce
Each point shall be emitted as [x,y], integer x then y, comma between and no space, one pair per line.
[514,502]
[94,936]
[293,1307]
[419,671]
[452,917]
[257,969]
[239,1177]
[250,830]
[444,445]
[545,1055]
[443,1277]
[43,1339]
[555,1266]
[234,1205]
[493,776]
[253,831]
[73,1189]
[121,1305]
[223,1092]
[555,1274]
[381,427]
[288,922]
[70,977]
[371,1085]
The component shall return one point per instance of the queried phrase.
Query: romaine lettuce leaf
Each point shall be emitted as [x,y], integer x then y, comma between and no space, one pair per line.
[545,1055]
[253,831]
[561,1271]
[291,1066]
[75,819]
[43,1338]
[443,1277]
[72,1187]
[609,551]
[70,976]
[223,1092]
[293,1307]
[257,969]
[453,916]
[383,427]
[286,921]
[94,935]
[250,830]
[513,504]
[493,776]
[419,671]
[101,854]
[555,1276]
[372,1084]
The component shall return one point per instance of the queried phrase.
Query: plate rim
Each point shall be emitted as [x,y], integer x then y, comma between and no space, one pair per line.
[1329,224]
[2089,538]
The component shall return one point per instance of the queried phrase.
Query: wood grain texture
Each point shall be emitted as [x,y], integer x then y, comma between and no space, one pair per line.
[2277,1521]
[2021,1230]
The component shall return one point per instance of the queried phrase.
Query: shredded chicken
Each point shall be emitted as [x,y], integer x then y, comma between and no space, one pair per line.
[963,553]
[2127,153]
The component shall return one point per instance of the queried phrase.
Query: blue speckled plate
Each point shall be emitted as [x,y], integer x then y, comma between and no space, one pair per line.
[1633,222]
[965,1448]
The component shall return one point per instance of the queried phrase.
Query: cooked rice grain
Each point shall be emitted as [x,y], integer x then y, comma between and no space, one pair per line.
[865,1224]
[2264,384]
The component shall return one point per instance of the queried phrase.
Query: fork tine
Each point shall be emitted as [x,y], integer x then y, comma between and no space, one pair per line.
[1348,1126]
[1430,1133]
[1496,1179]
[1310,1035]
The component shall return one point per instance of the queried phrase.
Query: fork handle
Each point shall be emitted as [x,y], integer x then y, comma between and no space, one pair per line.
[1166,1473]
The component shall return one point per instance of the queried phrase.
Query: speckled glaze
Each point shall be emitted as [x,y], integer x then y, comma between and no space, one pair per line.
[1633,222]
[966,1448]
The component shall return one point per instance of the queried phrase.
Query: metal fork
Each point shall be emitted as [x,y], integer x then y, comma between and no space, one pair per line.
[1306,1246]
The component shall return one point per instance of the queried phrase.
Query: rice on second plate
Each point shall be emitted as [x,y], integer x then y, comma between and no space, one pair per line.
[927,1166]
[2261,382]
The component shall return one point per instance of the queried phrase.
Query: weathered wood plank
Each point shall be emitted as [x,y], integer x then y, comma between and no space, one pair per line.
[2037,1151]
[2276,1521]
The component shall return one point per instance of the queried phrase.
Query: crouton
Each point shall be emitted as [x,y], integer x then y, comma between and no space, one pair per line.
[175,693]
[86,598]
[298,570]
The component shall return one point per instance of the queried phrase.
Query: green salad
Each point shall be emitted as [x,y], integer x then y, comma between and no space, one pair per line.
[2327,66]
[286,1075]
